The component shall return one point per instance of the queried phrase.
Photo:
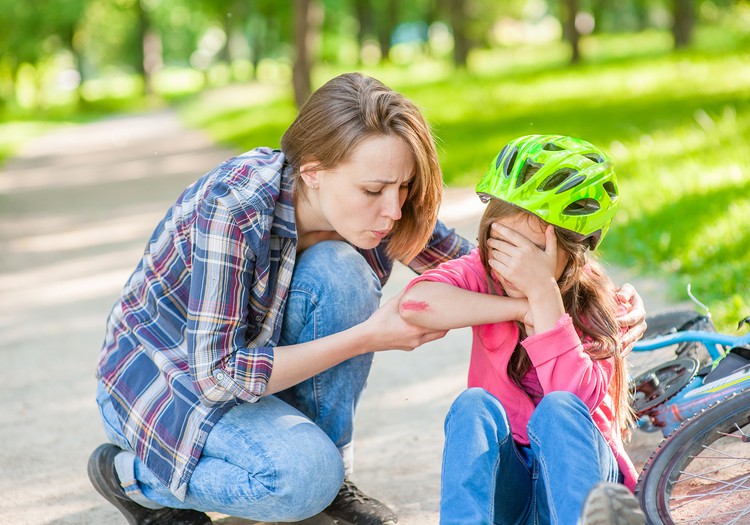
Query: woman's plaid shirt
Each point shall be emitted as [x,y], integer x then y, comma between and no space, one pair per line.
[193,333]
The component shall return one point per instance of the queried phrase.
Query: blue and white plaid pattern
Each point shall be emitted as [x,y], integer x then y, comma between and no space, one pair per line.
[194,330]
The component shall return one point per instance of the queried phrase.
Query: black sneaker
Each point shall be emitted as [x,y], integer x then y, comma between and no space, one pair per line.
[355,508]
[102,474]
[611,504]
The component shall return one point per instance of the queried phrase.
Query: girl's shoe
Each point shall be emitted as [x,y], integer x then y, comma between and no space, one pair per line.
[611,504]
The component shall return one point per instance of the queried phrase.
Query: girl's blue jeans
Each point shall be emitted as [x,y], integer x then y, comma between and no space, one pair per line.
[258,459]
[488,478]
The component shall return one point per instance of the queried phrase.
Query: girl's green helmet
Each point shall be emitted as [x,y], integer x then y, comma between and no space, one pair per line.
[565,181]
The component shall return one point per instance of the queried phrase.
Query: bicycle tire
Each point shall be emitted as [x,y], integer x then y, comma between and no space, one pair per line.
[680,485]
[679,320]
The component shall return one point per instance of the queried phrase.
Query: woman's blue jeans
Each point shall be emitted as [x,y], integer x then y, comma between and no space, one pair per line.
[257,459]
[488,478]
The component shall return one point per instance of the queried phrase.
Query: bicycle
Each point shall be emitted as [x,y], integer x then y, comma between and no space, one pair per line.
[700,401]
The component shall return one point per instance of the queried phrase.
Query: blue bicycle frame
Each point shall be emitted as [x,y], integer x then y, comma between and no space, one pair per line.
[696,395]
[715,342]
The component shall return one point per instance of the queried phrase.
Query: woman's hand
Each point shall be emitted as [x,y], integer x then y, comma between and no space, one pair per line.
[633,320]
[387,330]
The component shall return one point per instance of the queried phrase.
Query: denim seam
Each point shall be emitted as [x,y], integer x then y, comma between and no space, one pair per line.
[316,380]
[500,445]
[543,466]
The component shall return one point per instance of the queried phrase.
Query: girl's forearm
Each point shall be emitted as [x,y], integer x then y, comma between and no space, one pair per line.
[546,307]
[442,306]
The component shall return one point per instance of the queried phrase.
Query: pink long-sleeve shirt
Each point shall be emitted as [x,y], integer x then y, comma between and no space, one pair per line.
[559,363]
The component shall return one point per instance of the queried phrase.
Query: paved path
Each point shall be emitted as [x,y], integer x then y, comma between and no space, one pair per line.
[76,207]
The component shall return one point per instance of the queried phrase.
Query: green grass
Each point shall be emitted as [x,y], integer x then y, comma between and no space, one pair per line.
[677,125]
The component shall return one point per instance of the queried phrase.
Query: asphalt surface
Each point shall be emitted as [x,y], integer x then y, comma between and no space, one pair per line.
[76,208]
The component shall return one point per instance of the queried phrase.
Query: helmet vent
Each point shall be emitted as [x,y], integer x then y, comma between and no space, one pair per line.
[559,178]
[582,207]
[572,182]
[594,157]
[528,170]
[609,187]
[510,161]
[551,146]
[500,157]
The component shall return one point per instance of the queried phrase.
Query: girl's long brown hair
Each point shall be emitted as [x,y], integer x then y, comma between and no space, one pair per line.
[589,298]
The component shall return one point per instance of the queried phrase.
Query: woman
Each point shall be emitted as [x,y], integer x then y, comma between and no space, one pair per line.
[265,278]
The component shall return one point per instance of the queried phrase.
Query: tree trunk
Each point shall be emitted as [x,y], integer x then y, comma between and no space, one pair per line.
[571,31]
[366,19]
[641,11]
[303,36]
[386,26]
[148,52]
[461,43]
[682,27]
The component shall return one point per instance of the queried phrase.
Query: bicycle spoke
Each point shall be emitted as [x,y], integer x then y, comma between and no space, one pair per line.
[744,513]
[721,493]
[704,474]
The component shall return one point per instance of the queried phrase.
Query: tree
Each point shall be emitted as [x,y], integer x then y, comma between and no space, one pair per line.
[386,19]
[366,19]
[306,21]
[682,25]
[571,31]
[459,22]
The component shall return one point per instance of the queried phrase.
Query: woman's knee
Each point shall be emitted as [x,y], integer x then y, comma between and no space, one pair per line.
[297,489]
[335,270]
[309,485]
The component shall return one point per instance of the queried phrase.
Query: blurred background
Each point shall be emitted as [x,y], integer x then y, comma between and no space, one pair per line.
[109,108]
[661,85]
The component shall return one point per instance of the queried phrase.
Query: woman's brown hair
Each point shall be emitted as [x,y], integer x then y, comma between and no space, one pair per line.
[350,108]
[589,298]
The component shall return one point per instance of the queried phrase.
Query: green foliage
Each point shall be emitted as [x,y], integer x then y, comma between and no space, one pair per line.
[677,126]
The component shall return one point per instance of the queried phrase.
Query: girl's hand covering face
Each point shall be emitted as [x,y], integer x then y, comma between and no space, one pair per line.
[525,260]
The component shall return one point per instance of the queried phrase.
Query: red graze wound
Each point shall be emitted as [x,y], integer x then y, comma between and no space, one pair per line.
[419,306]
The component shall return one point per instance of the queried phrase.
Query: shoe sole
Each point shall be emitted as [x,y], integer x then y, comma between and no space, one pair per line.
[613,504]
[341,521]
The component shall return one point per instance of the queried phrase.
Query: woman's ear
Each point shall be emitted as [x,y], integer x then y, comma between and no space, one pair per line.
[309,174]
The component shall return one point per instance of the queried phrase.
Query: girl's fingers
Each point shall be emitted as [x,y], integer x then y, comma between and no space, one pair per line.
[508,234]
[626,293]
[551,239]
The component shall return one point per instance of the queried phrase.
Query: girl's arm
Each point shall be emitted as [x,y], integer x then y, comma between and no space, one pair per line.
[384,330]
[443,306]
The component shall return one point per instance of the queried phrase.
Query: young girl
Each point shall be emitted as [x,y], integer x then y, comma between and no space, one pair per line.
[540,425]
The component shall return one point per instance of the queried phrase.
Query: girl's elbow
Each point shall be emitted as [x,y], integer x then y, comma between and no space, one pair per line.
[411,308]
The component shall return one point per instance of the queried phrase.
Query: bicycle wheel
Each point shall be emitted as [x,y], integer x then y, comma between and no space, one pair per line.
[678,321]
[701,472]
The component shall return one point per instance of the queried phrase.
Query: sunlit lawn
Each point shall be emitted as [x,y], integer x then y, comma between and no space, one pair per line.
[677,125]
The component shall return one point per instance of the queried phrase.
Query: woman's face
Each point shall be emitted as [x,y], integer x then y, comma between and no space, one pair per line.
[361,199]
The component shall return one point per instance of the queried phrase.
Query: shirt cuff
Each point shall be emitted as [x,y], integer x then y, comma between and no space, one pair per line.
[554,342]
[251,374]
